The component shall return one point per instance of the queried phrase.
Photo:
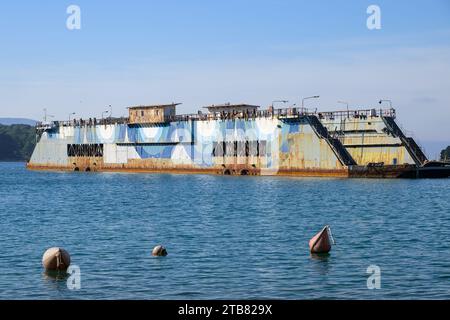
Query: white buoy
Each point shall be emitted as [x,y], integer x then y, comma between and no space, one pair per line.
[159,251]
[56,259]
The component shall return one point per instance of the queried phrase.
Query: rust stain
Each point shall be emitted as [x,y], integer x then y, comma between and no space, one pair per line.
[232,170]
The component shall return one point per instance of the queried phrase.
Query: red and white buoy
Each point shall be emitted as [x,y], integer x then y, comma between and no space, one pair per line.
[321,242]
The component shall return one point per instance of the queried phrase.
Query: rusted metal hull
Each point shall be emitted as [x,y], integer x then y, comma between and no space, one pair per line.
[400,171]
[297,146]
[231,171]
[388,172]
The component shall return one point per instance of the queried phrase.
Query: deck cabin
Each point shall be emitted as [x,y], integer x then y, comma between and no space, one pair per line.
[152,114]
[232,109]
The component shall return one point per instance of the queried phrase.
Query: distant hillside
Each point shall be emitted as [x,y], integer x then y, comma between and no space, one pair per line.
[445,154]
[10,121]
[16,142]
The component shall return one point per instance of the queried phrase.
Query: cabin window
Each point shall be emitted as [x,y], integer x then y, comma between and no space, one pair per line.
[253,148]
[262,148]
[229,148]
[218,149]
[85,150]
[242,149]
[394,161]
[239,148]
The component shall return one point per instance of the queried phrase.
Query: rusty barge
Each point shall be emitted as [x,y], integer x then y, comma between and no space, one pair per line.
[238,139]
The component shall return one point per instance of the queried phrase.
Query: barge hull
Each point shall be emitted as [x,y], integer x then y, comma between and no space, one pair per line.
[363,144]
[343,173]
[404,172]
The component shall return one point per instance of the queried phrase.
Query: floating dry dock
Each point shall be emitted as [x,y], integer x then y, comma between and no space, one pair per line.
[236,140]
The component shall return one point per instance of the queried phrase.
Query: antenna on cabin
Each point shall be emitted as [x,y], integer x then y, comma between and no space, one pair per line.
[47,115]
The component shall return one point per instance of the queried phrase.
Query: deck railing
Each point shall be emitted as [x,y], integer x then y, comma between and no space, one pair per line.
[268,113]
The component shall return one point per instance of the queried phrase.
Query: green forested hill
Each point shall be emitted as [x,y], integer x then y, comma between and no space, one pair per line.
[445,154]
[16,142]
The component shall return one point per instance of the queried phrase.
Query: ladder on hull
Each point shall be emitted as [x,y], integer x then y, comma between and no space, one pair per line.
[338,148]
[411,146]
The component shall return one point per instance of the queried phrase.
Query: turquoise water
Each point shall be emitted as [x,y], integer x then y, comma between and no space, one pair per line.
[227,237]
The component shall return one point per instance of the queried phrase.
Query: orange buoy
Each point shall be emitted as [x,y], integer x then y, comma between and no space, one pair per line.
[321,242]
[56,259]
[159,251]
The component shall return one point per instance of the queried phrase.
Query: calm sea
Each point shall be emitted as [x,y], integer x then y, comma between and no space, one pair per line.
[227,237]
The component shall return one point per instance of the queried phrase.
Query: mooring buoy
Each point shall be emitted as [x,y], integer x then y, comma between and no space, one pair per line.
[321,242]
[159,251]
[56,259]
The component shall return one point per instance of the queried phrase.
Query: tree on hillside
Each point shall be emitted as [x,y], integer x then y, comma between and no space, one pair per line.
[16,142]
[445,154]
[9,148]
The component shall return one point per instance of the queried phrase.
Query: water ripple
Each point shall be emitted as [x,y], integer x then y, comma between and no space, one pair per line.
[227,237]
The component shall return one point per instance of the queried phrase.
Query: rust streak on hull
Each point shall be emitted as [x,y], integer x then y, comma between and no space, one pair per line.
[184,170]
[388,172]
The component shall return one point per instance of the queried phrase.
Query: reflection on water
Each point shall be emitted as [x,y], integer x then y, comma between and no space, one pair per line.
[321,262]
[320,256]
[227,237]
[55,279]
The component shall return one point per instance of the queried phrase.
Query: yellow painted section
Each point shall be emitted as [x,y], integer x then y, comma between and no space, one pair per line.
[368,154]
[307,151]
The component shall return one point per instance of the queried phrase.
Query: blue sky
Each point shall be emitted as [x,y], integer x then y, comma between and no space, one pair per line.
[205,52]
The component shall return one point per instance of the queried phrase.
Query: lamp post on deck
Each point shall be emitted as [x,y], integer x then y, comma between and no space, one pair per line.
[307,98]
[70,115]
[47,115]
[390,102]
[346,103]
[390,105]
[278,101]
